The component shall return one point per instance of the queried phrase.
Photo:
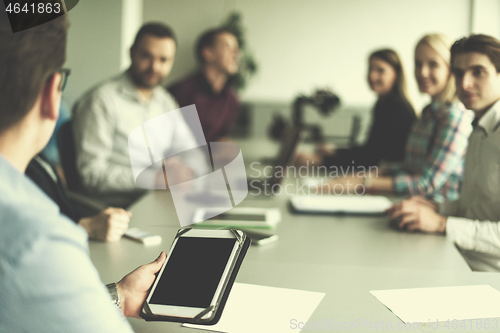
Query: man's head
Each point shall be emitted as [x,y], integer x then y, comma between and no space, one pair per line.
[218,48]
[475,62]
[152,55]
[30,79]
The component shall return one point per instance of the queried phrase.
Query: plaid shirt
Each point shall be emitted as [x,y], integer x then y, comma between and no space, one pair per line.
[434,155]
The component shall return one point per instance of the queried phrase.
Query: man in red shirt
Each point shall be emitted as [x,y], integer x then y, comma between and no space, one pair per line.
[217,103]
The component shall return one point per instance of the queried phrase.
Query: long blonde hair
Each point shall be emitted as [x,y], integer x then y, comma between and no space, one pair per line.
[442,45]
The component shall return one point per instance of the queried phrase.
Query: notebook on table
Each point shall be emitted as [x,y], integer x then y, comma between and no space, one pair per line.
[340,204]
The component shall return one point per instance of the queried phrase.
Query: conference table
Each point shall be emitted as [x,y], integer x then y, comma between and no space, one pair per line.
[343,256]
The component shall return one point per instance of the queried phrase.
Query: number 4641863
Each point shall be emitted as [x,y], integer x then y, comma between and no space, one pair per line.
[34,8]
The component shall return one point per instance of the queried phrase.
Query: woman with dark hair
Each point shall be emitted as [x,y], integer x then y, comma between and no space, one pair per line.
[393,116]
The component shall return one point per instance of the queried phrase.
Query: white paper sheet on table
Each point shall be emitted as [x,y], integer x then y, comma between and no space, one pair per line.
[252,308]
[442,304]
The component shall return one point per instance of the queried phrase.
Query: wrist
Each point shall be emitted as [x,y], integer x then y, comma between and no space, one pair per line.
[442,224]
[368,183]
[121,296]
[114,293]
[85,224]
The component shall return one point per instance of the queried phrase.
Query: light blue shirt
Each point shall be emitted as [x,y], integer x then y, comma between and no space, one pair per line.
[47,281]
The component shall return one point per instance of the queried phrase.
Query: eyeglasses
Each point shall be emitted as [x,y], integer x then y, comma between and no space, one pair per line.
[64,77]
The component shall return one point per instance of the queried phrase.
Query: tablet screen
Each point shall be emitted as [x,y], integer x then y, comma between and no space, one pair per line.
[193,272]
[237,217]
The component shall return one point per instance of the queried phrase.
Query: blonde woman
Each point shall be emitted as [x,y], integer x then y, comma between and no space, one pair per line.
[434,153]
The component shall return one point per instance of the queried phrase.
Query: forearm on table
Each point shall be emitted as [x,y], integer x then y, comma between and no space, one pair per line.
[418,184]
[383,184]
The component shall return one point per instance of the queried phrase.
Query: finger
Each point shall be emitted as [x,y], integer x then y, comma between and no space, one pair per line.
[391,209]
[112,238]
[155,266]
[114,233]
[117,225]
[121,217]
[117,210]
[412,227]
[407,219]
[398,213]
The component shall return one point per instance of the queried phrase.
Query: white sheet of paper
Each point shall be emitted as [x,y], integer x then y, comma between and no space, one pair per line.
[442,304]
[364,204]
[251,308]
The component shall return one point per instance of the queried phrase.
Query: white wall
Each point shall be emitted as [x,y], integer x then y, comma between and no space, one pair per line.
[301,45]
[100,35]
[93,52]
[188,18]
[486,17]
[131,23]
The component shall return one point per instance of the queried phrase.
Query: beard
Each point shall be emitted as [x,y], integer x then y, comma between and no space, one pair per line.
[146,79]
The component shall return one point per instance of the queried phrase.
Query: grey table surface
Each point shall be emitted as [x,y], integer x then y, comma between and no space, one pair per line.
[342,256]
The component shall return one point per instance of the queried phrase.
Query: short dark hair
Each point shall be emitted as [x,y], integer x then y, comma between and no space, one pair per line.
[484,44]
[156,29]
[27,60]
[207,39]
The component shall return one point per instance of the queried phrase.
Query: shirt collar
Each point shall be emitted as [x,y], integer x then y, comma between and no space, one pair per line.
[127,87]
[205,85]
[432,108]
[490,121]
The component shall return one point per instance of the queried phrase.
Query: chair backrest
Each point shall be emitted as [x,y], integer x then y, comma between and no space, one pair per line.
[355,129]
[66,146]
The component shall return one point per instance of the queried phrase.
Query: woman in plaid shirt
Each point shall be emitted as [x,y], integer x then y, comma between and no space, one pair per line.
[434,154]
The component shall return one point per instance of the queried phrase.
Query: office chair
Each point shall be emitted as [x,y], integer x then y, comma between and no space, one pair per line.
[66,145]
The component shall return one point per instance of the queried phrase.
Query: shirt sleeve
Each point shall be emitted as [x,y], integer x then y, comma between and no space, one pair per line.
[184,140]
[390,129]
[93,125]
[231,116]
[57,289]
[481,236]
[446,157]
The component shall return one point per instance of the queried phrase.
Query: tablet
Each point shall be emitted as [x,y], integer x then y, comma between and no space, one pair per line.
[195,276]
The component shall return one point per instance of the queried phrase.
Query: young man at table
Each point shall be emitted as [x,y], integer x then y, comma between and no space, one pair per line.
[472,221]
[217,104]
[47,281]
[104,118]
